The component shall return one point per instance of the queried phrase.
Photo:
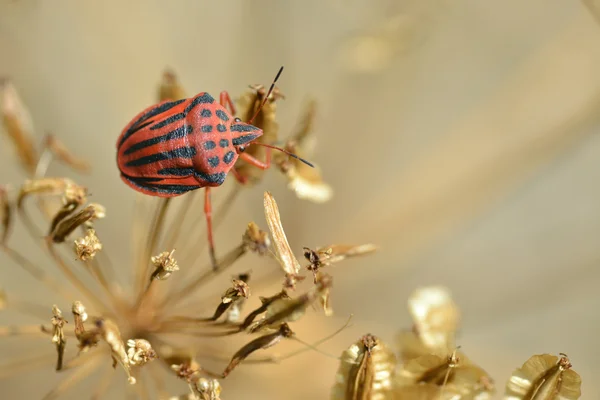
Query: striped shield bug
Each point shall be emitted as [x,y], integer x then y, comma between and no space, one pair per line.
[174,147]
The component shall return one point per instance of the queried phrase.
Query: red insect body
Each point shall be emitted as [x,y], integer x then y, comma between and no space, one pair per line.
[174,147]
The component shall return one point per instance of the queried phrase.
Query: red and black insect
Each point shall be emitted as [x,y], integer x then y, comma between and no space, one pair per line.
[174,147]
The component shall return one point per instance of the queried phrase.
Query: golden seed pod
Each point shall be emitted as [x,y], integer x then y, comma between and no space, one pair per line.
[165,264]
[365,371]
[266,120]
[140,352]
[544,377]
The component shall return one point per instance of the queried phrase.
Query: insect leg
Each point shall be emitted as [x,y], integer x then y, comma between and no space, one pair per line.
[238,177]
[257,163]
[225,101]
[208,214]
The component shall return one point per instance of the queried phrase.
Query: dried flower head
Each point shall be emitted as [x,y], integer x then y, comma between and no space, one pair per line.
[165,265]
[87,246]
[208,389]
[140,352]
[256,240]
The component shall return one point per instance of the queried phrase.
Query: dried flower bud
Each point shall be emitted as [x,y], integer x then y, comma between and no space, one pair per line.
[235,311]
[74,193]
[87,246]
[238,290]
[544,377]
[266,120]
[58,335]
[63,154]
[88,214]
[140,352]
[165,265]
[305,181]
[266,303]
[365,371]
[170,89]
[325,256]
[18,126]
[208,389]
[5,213]
[110,333]
[187,370]
[256,240]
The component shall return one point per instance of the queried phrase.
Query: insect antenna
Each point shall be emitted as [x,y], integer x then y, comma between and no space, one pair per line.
[284,151]
[267,96]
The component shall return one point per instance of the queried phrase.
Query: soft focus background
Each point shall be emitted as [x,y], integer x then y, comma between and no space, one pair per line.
[461,136]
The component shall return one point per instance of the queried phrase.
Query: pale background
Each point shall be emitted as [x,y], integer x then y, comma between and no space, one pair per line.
[464,142]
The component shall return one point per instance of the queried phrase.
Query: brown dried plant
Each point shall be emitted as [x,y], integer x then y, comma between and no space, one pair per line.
[160,320]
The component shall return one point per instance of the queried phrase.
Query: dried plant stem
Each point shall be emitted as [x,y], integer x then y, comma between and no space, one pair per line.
[38,274]
[75,281]
[175,226]
[96,272]
[25,365]
[21,330]
[189,255]
[155,229]
[77,376]
[25,307]
[230,258]
[103,384]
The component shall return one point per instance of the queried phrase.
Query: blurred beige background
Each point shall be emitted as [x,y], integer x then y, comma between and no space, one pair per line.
[461,136]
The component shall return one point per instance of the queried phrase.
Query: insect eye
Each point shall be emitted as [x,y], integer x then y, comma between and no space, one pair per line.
[241,149]
[237,120]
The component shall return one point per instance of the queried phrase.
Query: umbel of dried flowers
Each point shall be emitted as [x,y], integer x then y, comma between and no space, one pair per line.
[132,327]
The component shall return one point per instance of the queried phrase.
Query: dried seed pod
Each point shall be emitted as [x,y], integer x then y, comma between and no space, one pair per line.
[365,371]
[256,240]
[266,302]
[6,214]
[88,214]
[187,369]
[18,126]
[436,319]
[544,377]
[285,256]
[266,120]
[303,180]
[290,310]
[109,331]
[170,89]
[87,246]
[165,265]
[58,335]
[325,256]
[234,312]
[263,342]
[60,151]
[238,290]
[87,339]
[140,352]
